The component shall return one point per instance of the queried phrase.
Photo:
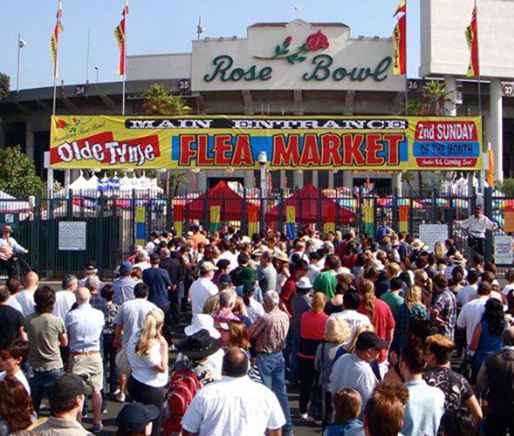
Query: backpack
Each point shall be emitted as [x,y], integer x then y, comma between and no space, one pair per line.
[183,386]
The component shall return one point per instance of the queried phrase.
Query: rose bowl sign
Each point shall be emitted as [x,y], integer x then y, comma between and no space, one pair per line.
[295,56]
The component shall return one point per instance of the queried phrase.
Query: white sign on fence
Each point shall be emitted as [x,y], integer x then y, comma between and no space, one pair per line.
[432,233]
[72,235]
[503,250]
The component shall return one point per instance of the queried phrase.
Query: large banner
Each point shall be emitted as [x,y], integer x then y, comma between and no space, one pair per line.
[318,142]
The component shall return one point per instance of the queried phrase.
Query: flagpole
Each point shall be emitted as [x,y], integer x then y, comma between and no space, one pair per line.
[406,59]
[124,64]
[56,63]
[479,69]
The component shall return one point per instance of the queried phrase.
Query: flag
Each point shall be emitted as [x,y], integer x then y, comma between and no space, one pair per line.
[54,41]
[121,39]
[490,167]
[400,40]
[472,39]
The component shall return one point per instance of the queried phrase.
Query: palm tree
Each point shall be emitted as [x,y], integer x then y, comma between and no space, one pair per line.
[435,97]
[158,101]
[4,85]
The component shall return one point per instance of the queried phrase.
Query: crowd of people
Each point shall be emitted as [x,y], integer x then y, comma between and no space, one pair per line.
[210,333]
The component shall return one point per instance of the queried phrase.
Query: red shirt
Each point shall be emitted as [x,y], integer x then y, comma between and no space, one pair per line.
[288,290]
[312,333]
[383,322]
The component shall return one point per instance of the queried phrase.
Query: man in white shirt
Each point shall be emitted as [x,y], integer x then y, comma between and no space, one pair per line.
[468,293]
[354,319]
[229,253]
[203,287]
[472,312]
[65,299]
[353,370]
[477,225]
[25,298]
[235,405]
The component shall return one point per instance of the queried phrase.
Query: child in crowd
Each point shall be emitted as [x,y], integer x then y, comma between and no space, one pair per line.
[110,311]
[347,405]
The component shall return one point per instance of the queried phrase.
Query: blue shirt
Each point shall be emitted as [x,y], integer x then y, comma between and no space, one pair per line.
[343,429]
[84,325]
[158,280]
[123,289]
[424,410]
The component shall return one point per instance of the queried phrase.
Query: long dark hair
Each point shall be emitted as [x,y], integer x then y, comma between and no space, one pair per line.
[494,316]
[15,404]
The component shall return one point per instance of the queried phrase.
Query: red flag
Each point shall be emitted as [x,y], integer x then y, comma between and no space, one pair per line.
[400,40]
[54,41]
[121,39]
[472,39]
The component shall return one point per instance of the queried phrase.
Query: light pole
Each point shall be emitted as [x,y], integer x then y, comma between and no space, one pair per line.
[263,161]
[97,69]
[21,44]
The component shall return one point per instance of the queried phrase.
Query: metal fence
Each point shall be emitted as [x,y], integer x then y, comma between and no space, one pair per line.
[114,224]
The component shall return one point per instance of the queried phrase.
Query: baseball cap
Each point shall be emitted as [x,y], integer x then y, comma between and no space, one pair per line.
[125,267]
[68,387]
[367,340]
[134,417]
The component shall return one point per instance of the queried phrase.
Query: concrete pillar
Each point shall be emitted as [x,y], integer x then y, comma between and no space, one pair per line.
[397,183]
[496,127]
[315,178]
[298,179]
[347,179]
[331,179]
[450,106]
[29,140]
[202,180]
[249,179]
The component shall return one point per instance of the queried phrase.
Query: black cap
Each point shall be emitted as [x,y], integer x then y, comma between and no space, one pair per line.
[134,417]
[367,340]
[68,387]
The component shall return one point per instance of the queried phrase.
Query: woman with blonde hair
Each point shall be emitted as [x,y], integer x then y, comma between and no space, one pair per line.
[422,279]
[440,250]
[147,353]
[412,308]
[337,332]
[312,333]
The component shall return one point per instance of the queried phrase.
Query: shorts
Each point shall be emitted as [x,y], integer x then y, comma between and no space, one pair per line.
[90,367]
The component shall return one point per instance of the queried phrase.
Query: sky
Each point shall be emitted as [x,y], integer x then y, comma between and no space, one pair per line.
[165,26]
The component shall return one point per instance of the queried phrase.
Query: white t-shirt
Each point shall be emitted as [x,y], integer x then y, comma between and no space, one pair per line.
[470,316]
[506,290]
[142,367]
[312,271]
[466,294]
[354,320]
[231,257]
[142,265]
[233,407]
[254,310]
[64,300]
[351,372]
[200,291]
[13,302]
[21,378]
[25,299]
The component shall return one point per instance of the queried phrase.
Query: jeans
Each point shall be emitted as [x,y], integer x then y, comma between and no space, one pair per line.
[291,356]
[272,367]
[41,384]
[109,361]
[308,376]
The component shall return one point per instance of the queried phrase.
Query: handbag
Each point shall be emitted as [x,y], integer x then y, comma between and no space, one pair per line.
[122,362]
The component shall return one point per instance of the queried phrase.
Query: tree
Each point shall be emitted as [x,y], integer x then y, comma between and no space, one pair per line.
[5,83]
[158,101]
[435,97]
[18,174]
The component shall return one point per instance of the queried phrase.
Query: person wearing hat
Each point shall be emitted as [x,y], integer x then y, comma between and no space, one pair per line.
[66,397]
[136,419]
[197,348]
[203,287]
[90,270]
[353,370]
[8,250]
[124,285]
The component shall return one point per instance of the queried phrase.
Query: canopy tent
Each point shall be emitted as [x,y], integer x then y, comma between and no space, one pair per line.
[232,205]
[307,203]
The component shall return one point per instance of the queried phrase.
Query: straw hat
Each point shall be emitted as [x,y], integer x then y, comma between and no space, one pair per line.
[457,259]
[281,256]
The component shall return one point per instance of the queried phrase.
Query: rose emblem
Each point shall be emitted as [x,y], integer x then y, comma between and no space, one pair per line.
[317,41]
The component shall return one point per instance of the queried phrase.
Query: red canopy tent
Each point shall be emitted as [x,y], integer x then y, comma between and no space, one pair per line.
[307,202]
[232,205]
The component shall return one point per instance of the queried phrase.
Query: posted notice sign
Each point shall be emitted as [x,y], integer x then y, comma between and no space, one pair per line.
[503,250]
[432,233]
[72,236]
